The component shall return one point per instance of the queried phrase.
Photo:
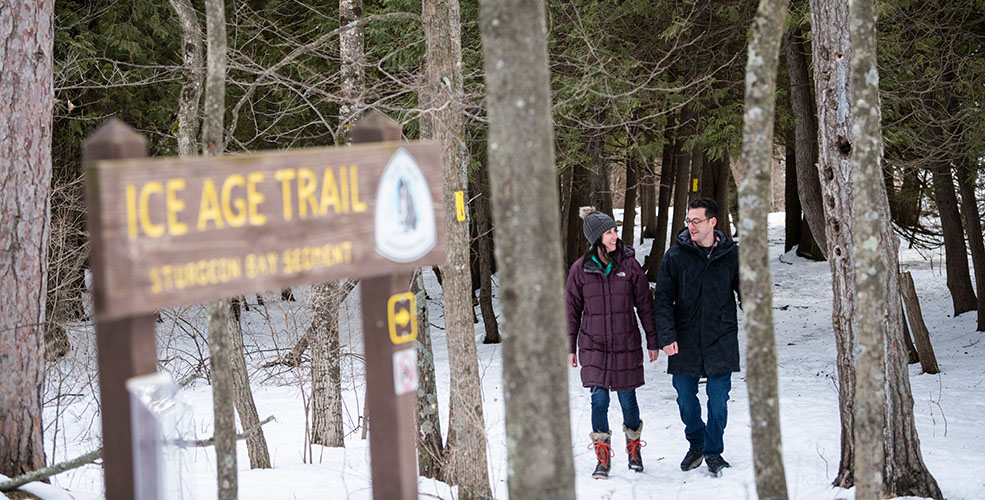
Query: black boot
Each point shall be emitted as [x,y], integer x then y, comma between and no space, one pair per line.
[600,441]
[633,445]
[692,460]
[716,464]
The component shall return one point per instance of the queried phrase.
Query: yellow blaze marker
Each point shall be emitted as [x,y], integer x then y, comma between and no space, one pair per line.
[460,205]
[401,313]
[695,188]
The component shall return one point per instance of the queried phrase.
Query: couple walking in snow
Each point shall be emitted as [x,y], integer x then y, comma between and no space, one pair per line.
[691,317]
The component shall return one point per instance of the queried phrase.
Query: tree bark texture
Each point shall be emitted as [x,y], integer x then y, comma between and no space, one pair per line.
[955,251]
[668,169]
[925,350]
[695,183]
[831,46]
[905,472]
[521,170]
[794,213]
[352,75]
[326,374]
[648,200]
[26,102]
[629,205]
[870,248]
[256,443]
[465,463]
[682,179]
[430,449]
[754,272]
[193,67]
[973,228]
[579,195]
[223,380]
[601,188]
[805,137]
[483,220]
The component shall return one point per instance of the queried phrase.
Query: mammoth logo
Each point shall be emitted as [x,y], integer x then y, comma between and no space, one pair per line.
[404,223]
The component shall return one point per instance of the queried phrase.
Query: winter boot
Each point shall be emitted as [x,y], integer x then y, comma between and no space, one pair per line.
[600,442]
[692,460]
[633,445]
[716,464]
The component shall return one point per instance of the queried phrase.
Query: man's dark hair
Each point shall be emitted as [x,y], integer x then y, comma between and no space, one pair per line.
[711,208]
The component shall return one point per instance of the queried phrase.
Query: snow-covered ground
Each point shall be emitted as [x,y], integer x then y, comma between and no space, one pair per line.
[946,405]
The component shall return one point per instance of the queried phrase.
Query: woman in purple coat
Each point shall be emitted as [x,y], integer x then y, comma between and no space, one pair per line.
[603,288]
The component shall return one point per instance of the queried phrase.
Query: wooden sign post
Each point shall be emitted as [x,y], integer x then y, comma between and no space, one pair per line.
[172,231]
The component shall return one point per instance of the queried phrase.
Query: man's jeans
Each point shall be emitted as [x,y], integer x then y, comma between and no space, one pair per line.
[706,437]
[600,409]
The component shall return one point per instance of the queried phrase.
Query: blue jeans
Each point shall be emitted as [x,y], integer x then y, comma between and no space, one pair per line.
[600,409]
[706,437]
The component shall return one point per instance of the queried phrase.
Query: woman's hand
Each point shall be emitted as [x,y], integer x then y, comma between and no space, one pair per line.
[572,360]
[653,353]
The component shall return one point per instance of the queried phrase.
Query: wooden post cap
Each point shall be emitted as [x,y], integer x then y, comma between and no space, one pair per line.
[114,139]
[375,127]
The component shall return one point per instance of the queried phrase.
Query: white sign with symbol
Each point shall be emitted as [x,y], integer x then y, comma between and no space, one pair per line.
[404,223]
[405,371]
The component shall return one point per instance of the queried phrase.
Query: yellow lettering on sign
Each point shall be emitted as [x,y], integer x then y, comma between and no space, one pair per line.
[307,184]
[254,198]
[209,208]
[199,273]
[174,205]
[131,210]
[237,218]
[260,264]
[344,184]
[329,193]
[357,205]
[285,176]
[150,229]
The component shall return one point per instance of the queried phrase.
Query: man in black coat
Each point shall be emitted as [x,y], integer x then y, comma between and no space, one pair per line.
[697,326]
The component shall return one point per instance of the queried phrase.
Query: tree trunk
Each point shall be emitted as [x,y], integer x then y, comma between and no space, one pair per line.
[483,219]
[429,446]
[648,201]
[352,76]
[521,169]
[580,195]
[26,104]
[465,463]
[791,198]
[870,249]
[696,186]
[193,67]
[256,443]
[805,142]
[326,374]
[754,272]
[905,473]
[601,188]
[223,384]
[629,207]
[908,200]
[925,350]
[717,188]
[956,253]
[668,170]
[973,228]
[683,177]
[829,28]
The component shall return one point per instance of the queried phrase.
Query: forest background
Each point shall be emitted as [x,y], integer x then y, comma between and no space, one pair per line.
[646,98]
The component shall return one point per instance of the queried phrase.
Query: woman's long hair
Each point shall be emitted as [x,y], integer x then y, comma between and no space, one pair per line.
[614,256]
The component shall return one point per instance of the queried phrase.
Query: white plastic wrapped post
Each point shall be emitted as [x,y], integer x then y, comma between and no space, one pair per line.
[162,430]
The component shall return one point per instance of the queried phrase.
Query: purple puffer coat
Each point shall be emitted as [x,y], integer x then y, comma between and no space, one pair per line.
[601,323]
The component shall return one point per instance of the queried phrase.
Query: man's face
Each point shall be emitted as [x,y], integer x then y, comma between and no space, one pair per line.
[702,228]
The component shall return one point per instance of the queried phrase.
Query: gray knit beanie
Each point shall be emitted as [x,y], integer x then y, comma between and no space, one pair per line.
[595,223]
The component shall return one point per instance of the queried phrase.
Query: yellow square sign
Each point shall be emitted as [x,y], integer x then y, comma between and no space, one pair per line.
[401,313]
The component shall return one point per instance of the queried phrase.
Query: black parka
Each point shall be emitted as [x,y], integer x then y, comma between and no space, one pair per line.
[694,305]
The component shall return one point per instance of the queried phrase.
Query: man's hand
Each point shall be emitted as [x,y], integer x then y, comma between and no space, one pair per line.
[653,353]
[670,349]
[572,360]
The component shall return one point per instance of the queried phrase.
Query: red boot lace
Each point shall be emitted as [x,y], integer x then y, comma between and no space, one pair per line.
[602,451]
[633,447]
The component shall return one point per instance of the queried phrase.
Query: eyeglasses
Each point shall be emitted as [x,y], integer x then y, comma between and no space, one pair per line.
[693,222]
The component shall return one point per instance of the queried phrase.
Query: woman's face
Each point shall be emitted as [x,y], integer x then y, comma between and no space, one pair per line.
[609,239]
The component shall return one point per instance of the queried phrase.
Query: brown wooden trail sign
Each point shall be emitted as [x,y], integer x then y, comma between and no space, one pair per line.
[172,231]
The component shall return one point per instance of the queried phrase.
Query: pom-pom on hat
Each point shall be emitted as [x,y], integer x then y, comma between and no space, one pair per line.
[595,224]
